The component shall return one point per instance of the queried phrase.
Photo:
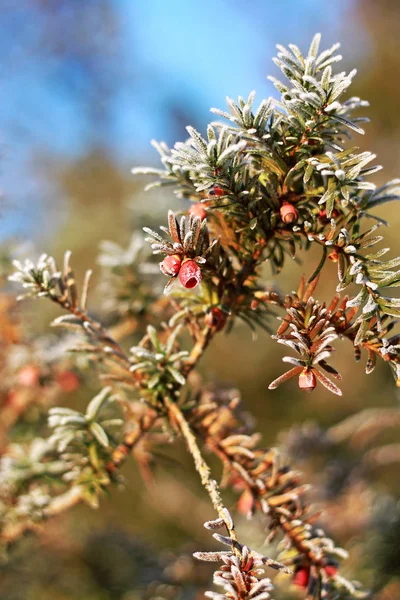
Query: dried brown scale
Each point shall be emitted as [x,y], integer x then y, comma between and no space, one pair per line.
[289,484]
[241,577]
[280,509]
[302,309]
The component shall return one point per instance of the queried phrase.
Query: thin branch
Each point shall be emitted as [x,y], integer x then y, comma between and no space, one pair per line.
[203,469]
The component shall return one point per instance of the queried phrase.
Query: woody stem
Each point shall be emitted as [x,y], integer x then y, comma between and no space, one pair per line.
[203,470]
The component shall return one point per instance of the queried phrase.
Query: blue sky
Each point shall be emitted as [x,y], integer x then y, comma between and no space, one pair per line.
[213,49]
[165,55]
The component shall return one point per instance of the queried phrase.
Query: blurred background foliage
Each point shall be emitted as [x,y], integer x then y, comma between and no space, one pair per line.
[85,86]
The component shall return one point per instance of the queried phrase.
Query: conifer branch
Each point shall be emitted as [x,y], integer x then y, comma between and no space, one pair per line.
[265,186]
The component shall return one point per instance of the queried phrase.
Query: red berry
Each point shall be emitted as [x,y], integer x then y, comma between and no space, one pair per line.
[215,318]
[198,210]
[190,274]
[288,213]
[171,265]
[331,570]
[307,380]
[216,191]
[301,577]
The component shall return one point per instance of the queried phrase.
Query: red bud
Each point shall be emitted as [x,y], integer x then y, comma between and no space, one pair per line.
[333,256]
[288,213]
[331,570]
[301,577]
[307,380]
[245,503]
[11,398]
[215,318]
[323,216]
[254,304]
[171,265]
[198,210]
[216,191]
[68,381]
[29,375]
[190,274]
